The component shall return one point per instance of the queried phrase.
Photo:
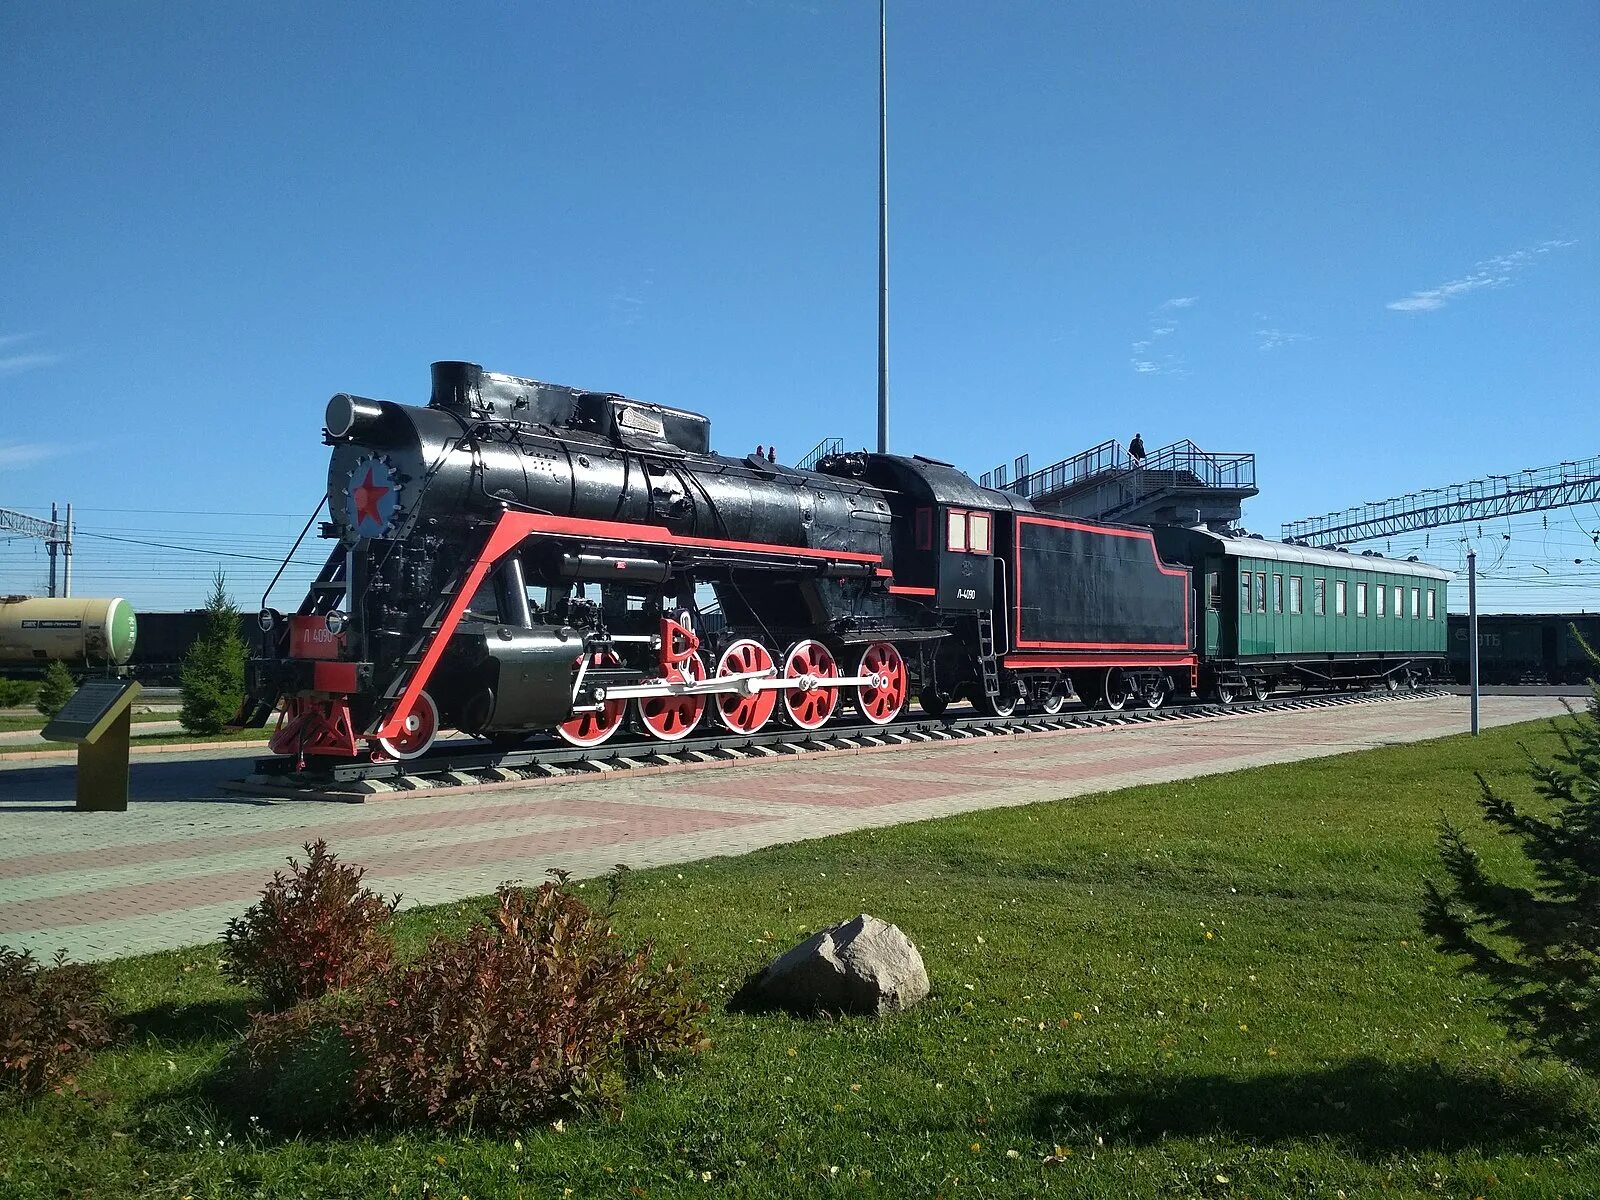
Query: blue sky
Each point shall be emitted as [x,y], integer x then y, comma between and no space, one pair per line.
[1361,241]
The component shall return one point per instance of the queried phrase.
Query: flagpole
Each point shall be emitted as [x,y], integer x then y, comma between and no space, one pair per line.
[883,229]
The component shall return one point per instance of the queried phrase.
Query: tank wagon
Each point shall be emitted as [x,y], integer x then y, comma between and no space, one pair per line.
[36,631]
[518,557]
[1526,647]
[1274,613]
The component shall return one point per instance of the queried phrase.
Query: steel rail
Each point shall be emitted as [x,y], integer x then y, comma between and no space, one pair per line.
[472,763]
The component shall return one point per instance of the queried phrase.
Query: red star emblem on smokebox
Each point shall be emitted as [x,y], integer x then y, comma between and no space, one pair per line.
[367,495]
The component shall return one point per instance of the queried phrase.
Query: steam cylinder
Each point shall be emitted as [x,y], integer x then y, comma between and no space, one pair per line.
[77,632]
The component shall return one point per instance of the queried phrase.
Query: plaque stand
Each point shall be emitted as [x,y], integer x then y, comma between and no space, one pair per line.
[99,718]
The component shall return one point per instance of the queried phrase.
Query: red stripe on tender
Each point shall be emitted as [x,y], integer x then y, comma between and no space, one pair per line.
[1015,661]
[1141,535]
[913,591]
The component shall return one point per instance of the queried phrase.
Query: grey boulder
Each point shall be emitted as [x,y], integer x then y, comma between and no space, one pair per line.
[865,966]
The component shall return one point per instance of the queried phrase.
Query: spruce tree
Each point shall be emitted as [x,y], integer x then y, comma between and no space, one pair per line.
[55,689]
[212,674]
[1539,946]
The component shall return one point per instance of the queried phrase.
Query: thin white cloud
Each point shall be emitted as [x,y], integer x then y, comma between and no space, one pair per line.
[1490,273]
[628,302]
[1147,358]
[20,454]
[18,363]
[1270,337]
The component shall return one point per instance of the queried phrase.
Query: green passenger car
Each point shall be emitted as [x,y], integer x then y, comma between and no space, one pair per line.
[1273,613]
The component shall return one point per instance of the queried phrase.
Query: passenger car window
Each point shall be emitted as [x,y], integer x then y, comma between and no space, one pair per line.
[1319,597]
[1261,591]
[1244,592]
[1433,598]
[1213,591]
[1277,593]
[1296,593]
[1379,594]
[1338,597]
[1361,599]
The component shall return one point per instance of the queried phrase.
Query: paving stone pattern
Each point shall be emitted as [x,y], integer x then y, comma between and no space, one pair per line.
[187,856]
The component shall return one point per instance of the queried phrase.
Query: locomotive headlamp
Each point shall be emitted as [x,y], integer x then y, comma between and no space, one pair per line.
[336,622]
[347,415]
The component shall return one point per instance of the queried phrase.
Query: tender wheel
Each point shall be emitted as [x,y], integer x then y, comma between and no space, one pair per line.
[417,732]
[1223,696]
[1002,705]
[591,728]
[933,704]
[1260,689]
[673,718]
[810,708]
[880,705]
[1053,702]
[1115,692]
[1156,696]
[740,712]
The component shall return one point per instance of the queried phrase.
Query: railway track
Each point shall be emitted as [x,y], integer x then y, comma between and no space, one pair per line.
[473,765]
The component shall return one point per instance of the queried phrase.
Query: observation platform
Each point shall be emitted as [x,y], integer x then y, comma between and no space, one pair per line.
[1179,484]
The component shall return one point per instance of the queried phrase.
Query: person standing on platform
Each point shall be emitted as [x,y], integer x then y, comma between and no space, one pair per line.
[1136,450]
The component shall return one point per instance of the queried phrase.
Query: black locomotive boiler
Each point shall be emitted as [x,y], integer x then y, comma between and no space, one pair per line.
[519,557]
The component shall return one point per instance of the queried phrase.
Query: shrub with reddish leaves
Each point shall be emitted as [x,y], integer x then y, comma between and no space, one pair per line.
[50,1018]
[541,1011]
[313,931]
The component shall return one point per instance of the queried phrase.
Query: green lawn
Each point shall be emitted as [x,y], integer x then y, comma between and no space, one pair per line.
[1206,989]
[16,723]
[155,739]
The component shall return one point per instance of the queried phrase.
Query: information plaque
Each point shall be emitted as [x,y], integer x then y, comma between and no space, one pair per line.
[99,719]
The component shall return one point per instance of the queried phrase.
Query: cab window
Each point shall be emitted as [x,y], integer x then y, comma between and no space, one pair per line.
[956,531]
[978,532]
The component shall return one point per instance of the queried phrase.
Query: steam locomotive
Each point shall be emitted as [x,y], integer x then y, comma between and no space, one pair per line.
[521,558]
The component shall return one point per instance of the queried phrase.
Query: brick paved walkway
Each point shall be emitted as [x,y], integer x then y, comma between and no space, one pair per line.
[187,856]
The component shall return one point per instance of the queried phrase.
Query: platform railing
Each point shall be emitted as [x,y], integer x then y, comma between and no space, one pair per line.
[823,449]
[1208,469]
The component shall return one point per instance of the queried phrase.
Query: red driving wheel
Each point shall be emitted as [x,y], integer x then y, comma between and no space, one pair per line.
[591,728]
[417,731]
[740,712]
[810,708]
[880,705]
[673,718]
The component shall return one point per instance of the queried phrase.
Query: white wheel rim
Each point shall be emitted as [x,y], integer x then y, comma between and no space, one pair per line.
[424,715]
[810,716]
[741,650]
[672,709]
[889,658]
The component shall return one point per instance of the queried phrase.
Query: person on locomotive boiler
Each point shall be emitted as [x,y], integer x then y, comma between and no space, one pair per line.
[1136,450]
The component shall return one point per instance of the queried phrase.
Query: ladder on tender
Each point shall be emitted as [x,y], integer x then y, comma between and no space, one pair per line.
[987,664]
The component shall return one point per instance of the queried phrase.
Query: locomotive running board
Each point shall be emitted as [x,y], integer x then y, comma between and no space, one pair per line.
[514,527]
[470,766]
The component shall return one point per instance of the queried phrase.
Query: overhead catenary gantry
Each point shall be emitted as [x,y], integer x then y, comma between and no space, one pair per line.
[1536,489]
[55,533]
